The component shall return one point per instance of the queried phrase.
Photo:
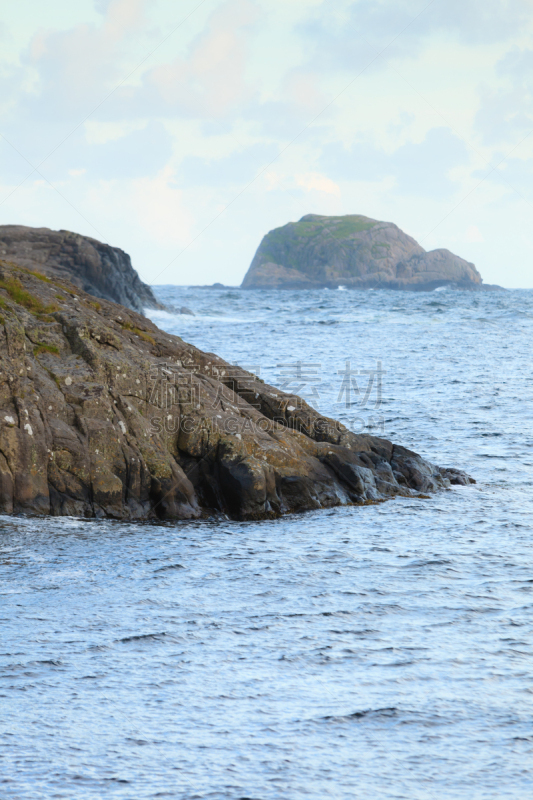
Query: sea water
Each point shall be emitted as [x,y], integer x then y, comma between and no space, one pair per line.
[382,651]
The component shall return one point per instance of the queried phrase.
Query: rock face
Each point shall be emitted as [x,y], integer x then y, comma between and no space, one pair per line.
[353,251]
[102,414]
[97,268]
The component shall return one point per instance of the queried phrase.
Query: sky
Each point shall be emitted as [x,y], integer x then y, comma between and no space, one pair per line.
[184,131]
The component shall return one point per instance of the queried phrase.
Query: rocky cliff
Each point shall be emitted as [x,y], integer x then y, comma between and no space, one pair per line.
[353,251]
[103,414]
[101,270]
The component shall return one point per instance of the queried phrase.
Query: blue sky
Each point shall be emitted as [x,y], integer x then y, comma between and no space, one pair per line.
[183,131]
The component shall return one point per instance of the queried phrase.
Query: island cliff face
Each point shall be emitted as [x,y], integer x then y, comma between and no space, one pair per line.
[101,270]
[104,415]
[352,251]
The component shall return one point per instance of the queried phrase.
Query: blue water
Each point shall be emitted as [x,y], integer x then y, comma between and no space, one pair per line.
[381,651]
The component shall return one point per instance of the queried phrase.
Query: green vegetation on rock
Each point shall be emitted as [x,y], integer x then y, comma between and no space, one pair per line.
[138,332]
[19,295]
[41,347]
[355,251]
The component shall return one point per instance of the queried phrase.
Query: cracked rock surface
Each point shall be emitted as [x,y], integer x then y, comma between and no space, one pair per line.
[97,268]
[103,414]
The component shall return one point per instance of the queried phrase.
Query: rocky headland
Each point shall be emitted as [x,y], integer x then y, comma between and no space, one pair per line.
[356,252]
[103,271]
[104,415]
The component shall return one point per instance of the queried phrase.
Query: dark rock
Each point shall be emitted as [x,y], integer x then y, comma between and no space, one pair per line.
[356,252]
[96,268]
[213,286]
[104,415]
[492,287]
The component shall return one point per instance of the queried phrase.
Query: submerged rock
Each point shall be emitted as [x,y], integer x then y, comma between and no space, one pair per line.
[103,414]
[356,252]
[92,266]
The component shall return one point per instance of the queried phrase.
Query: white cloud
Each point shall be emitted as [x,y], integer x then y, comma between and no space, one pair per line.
[473,234]
[210,79]
[159,208]
[313,181]
[102,132]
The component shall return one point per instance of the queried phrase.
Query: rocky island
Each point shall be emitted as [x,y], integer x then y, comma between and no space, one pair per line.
[356,252]
[104,415]
[96,268]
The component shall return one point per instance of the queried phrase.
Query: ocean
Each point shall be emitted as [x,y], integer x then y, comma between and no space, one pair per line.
[380,651]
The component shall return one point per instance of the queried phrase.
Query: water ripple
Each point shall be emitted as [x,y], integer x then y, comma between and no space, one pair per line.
[378,651]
